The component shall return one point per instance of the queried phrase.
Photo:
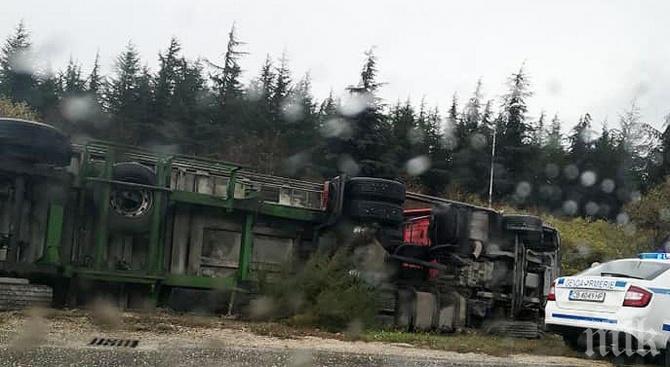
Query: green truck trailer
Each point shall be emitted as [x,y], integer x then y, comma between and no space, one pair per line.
[106,220]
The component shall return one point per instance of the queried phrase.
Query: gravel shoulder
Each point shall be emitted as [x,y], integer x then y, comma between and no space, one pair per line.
[56,337]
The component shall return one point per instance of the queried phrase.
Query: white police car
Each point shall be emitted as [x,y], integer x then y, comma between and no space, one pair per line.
[627,297]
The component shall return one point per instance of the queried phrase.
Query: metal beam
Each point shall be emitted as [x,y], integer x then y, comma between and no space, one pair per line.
[246,248]
[16,219]
[156,248]
[54,234]
[102,224]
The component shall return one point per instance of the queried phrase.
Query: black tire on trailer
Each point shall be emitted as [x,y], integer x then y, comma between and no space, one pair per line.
[131,208]
[377,189]
[15,296]
[375,211]
[33,142]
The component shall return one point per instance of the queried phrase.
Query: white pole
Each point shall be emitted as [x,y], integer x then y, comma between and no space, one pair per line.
[493,156]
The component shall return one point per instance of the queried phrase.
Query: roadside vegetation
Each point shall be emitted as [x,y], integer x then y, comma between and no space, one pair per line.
[322,293]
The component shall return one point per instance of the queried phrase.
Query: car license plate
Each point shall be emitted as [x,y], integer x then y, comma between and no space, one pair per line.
[586,296]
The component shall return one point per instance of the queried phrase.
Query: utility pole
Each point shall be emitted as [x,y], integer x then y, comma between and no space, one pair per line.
[493,157]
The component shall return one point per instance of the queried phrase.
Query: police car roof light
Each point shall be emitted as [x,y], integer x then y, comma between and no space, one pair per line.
[654,256]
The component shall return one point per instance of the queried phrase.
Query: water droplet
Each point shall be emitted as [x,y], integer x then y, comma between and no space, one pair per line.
[418,165]
[336,128]
[78,108]
[523,189]
[354,103]
[591,208]
[292,110]
[607,186]
[478,141]
[571,171]
[622,218]
[635,196]
[588,178]
[347,165]
[570,207]
[552,170]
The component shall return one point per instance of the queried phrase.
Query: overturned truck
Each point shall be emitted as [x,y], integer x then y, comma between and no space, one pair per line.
[142,228]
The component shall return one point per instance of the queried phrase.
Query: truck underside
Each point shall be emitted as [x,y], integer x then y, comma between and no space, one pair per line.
[105,220]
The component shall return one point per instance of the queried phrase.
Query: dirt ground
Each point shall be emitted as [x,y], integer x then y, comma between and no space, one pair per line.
[62,337]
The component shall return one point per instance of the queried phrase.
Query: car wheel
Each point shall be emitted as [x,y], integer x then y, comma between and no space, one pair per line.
[666,355]
[33,142]
[378,189]
[131,208]
[375,211]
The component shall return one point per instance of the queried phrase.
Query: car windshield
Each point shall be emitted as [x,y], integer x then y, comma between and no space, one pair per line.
[636,269]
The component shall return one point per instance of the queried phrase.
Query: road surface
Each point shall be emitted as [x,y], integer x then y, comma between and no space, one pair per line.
[35,340]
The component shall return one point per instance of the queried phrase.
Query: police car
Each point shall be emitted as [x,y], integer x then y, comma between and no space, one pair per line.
[627,297]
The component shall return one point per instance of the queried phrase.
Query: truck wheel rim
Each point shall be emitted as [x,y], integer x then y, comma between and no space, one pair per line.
[131,203]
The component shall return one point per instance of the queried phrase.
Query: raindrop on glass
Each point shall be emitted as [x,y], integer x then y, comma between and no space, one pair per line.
[607,185]
[588,178]
[418,165]
[571,171]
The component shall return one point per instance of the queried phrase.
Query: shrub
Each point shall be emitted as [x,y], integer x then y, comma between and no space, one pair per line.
[17,110]
[322,293]
[584,241]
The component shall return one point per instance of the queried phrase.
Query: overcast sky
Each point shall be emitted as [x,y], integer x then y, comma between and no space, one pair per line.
[583,56]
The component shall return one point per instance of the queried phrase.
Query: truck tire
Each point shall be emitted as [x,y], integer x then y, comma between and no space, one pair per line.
[378,189]
[666,355]
[131,208]
[375,211]
[16,296]
[33,142]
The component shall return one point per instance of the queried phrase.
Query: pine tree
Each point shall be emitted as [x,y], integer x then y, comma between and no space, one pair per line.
[435,180]
[513,133]
[539,132]
[581,140]
[554,138]
[226,78]
[281,90]
[472,113]
[71,81]
[96,81]
[166,79]
[17,81]
[367,143]
[515,130]
[122,99]
[403,123]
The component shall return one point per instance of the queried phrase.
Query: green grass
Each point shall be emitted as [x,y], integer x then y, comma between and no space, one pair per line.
[474,342]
